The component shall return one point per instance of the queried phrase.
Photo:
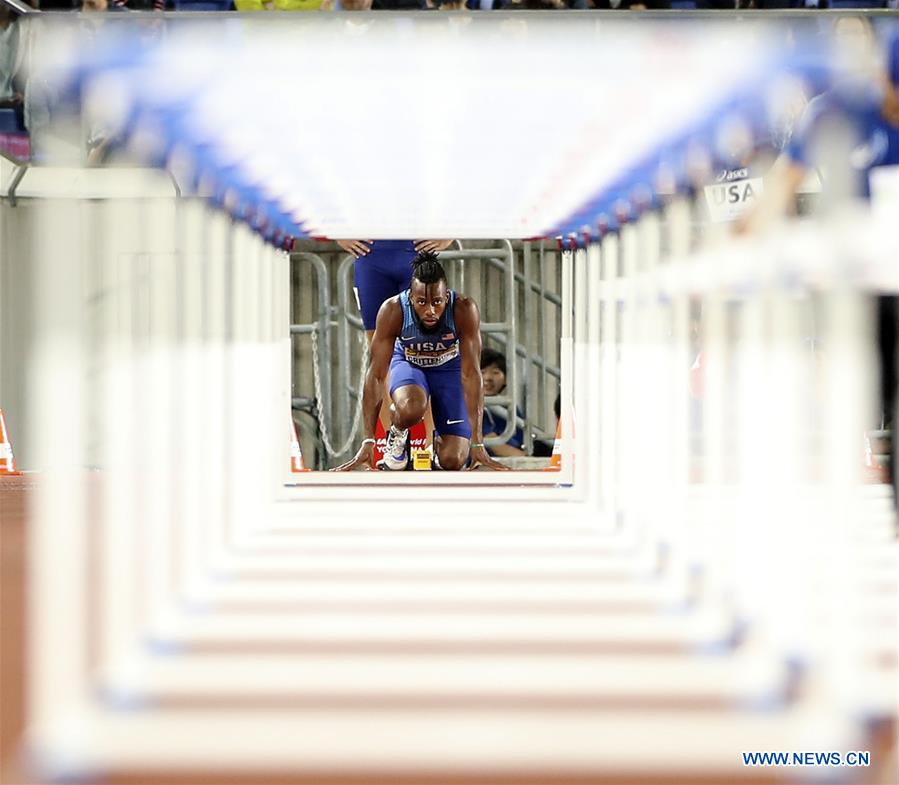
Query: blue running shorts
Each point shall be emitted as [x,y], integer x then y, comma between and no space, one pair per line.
[444,386]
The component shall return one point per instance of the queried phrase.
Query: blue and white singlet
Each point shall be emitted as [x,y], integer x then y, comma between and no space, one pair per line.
[433,348]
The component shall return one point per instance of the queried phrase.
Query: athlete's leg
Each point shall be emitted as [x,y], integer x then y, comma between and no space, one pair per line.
[450,418]
[409,397]
[429,422]
[408,389]
[408,407]
[452,452]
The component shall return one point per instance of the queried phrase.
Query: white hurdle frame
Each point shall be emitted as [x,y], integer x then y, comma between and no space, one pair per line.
[170,332]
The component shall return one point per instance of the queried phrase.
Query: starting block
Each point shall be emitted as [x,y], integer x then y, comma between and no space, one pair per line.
[421,460]
[418,444]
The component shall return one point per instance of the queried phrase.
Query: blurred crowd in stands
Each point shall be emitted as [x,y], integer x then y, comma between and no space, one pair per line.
[444,5]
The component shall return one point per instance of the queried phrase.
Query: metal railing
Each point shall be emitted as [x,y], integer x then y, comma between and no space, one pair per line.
[346,322]
[19,7]
[506,330]
[321,326]
[534,329]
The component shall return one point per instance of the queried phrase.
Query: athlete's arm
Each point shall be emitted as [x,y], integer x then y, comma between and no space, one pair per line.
[387,328]
[468,322]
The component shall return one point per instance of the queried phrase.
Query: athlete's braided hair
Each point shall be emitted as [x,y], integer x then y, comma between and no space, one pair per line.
[427,269]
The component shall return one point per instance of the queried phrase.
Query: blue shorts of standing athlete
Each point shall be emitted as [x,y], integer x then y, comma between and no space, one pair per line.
[382,273]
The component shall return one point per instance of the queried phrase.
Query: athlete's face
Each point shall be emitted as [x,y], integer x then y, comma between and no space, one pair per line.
[494,380]
[428,301]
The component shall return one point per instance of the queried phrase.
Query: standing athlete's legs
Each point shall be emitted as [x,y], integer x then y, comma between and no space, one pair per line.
[374,279]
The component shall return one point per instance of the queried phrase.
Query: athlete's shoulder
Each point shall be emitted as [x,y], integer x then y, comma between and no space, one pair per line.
[392,304]
[464,301]
[465,312]
[390,314]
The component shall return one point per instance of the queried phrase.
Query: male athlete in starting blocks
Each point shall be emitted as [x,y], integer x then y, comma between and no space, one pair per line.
[428,338]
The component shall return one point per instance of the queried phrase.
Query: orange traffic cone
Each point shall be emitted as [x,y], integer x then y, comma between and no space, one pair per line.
[555,462]
[296,455]
[7,461]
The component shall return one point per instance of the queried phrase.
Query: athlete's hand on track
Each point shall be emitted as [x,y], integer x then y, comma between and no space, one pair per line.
[480,457]
[432,245]
[356,247]
[361,461]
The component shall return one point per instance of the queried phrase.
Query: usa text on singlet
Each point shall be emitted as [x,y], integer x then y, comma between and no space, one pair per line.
[428,349]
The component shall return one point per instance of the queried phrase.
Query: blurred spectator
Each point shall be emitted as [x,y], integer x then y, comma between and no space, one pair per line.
[854,50]
[632,5]
[873,115]
[298,5]
[493,371]
[349,5]
[398,5]
[137,5]
[534,5]
[10,61]
[867,123]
